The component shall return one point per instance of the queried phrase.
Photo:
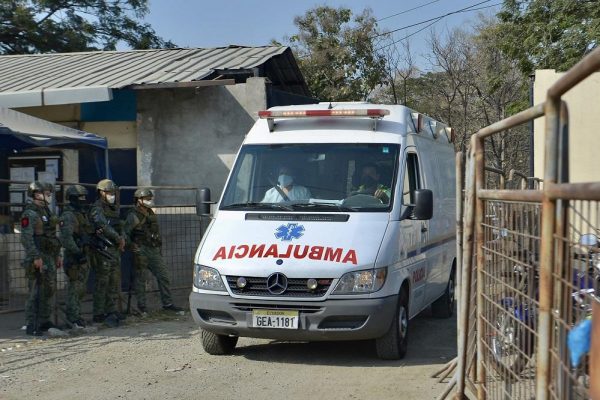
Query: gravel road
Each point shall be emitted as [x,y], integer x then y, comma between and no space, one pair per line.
[161,357]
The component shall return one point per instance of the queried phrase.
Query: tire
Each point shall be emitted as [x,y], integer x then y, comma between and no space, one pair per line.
[444,306]
[512,347]
[218,345]
[393,345]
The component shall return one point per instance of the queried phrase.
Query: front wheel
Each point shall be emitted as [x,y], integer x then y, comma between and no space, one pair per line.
[393,345]
[218,344]
[512,344]
[444,306]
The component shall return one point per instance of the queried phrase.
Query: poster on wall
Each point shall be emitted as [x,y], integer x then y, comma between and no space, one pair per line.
[26,174]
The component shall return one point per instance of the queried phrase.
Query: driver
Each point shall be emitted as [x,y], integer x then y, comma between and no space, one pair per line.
[369,183]
[286,190]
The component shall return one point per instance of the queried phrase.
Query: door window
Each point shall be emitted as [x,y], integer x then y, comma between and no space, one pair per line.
[412,179]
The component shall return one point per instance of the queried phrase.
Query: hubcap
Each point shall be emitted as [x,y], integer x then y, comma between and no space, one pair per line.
[402,321]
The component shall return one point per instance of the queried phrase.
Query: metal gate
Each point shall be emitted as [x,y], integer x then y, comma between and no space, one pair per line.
[528,272]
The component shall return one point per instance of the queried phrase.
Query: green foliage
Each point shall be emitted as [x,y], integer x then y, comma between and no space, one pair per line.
[552,34]
[335,52]
[40,26]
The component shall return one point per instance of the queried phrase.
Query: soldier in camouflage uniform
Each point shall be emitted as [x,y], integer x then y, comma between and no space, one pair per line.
[105,219]
[42,256]
[141,229]
[75,230]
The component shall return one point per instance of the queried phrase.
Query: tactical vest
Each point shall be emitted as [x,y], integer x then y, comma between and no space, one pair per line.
[84,227]
[111,213]
[146,232]
[44,232]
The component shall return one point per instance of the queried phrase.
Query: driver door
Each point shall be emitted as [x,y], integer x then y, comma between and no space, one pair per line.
[413,232]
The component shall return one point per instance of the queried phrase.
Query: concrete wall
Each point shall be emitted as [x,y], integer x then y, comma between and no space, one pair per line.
[584,121]
[191,136]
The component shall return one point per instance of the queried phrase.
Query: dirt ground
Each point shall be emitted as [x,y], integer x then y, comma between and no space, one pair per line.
[161,357]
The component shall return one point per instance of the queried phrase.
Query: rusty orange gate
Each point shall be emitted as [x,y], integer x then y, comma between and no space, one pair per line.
[530,270]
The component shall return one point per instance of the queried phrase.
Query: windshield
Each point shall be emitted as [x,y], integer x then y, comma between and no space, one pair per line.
[313,177]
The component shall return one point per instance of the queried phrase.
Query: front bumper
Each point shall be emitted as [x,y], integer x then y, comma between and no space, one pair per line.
[347,319]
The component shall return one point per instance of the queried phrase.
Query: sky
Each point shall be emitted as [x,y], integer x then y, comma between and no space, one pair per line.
[202,23]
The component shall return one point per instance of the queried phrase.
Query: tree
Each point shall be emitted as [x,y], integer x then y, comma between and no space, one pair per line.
[400,70]
[335,52]
[549,33]
[39,26]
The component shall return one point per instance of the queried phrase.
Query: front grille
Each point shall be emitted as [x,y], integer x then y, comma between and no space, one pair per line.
[306,309]
[296,287]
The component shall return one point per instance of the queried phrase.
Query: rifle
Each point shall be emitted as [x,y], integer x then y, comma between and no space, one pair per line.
[100,244]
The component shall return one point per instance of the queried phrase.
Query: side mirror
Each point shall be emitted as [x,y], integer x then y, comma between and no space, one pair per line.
[203,202]
[423,208]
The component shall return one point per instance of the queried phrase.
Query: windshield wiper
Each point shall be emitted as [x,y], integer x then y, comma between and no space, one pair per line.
[256,205]
[337,206]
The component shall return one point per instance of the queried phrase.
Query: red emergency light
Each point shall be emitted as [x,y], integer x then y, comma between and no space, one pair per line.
[366,112]
[373,113]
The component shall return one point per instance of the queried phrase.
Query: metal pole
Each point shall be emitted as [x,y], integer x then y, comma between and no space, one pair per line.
[562,291]
[595,351]
[106,167]
[552,107]
[467,259]
[479,234]
[459,232]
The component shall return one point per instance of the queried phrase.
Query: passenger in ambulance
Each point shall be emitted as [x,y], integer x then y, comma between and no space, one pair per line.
[370,183]
[285,189]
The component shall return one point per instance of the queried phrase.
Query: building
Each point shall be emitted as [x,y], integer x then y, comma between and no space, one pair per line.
[171,116]
[584,119]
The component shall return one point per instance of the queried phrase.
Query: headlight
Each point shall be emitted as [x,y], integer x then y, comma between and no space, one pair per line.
[359,282]
[207,278]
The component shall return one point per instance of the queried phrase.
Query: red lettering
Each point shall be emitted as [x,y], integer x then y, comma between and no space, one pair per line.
[418,275]
[271,251]
[231,249]
[288,253]
[256,250]
[220,254]
[245,248]
[333,255]
[297,254]
[316,253]
[350,257]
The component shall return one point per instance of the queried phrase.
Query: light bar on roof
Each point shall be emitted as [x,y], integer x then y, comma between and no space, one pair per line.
[365,112]
[374,113]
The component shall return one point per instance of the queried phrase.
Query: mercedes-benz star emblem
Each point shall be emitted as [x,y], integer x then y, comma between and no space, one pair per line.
[277,283]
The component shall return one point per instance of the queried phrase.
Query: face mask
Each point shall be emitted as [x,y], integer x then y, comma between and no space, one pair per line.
[148,203]
[110,198]
[285,180]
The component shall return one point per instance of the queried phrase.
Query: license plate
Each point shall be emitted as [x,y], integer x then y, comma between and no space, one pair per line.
[275,319]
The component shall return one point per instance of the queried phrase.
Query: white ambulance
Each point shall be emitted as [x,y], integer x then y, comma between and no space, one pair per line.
[337,222]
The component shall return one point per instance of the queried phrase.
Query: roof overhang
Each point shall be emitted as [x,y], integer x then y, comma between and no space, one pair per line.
[55,96]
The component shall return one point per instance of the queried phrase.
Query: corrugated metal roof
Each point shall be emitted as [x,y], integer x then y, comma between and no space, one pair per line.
[118,69]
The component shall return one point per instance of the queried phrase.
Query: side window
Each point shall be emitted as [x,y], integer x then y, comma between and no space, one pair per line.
[412,178]
[243,184]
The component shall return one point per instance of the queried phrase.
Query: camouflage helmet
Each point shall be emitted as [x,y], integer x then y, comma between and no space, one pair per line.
[140,193]
[106,185]
[76,191]
[48,187]
[33,187]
